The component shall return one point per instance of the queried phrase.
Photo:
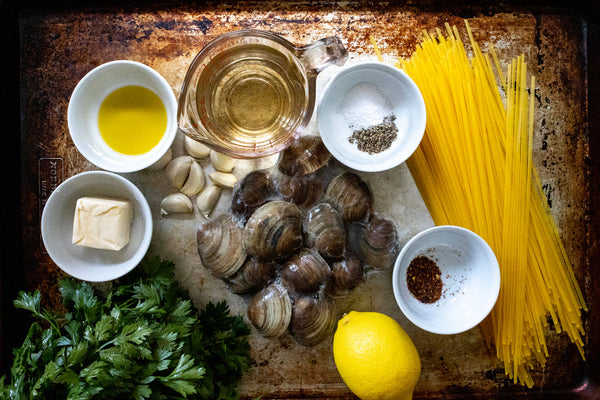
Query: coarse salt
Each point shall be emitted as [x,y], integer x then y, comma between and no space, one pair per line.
[365,106]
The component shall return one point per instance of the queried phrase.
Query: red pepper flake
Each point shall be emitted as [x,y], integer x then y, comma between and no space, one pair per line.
[424,280]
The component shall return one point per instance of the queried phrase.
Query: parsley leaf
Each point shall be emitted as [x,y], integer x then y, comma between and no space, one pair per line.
[143,340]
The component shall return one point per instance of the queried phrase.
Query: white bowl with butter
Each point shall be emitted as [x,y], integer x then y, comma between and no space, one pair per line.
[96,226]
[85,122]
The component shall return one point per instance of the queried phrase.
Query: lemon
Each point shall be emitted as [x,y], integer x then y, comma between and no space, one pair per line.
[375,357]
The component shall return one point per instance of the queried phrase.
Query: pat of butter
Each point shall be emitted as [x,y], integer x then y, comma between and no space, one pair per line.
[102,223]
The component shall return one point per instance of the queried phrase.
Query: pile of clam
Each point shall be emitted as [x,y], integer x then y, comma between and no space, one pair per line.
[297,237]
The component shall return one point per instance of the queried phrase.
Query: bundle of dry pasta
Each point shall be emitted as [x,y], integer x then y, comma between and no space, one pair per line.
[474,169]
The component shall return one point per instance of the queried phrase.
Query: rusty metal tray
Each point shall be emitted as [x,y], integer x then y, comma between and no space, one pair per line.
[49,48]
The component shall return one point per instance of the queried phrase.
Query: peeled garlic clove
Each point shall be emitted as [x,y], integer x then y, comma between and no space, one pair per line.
[221,162]
[162,162]
[178,170]
[207,199]
[223,179]
[176,203]
[195,149]
[195,180]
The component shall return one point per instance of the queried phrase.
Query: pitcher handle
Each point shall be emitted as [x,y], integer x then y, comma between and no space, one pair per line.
[322,53]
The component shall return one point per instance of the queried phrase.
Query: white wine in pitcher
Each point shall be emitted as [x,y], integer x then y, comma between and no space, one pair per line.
[251,94]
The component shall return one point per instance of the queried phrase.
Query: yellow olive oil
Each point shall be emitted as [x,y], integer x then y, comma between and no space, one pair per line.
[132,120]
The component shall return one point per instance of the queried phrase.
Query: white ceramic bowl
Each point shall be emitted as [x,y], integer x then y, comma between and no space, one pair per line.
[359,89]
[82,114]
[94,265]
[470,276]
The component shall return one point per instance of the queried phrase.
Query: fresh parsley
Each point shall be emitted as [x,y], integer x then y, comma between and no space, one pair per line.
[143,339]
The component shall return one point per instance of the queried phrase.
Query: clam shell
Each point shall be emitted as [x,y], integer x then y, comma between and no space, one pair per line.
[378,243]
[324,230]
[305,272]
[351,195]
[253,191]
[220,246]
[270,311]
[345,275]
[253,275]
[274,231]
[313,320]
[302,190]
[305,155]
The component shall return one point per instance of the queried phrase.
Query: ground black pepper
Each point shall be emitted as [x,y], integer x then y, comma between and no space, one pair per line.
[424,279]
[377,138]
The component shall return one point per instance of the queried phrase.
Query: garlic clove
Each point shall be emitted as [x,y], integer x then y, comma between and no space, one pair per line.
[195,180]
[207,199]
[176,203]
[162,162]
[195,148]
[223,179]
[221,162]
[178,170]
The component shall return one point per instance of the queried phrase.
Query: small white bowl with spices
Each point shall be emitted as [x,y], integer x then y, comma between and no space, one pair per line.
[371,116]
[446,279]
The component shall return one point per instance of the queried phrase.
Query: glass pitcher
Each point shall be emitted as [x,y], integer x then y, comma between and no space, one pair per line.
[250,93]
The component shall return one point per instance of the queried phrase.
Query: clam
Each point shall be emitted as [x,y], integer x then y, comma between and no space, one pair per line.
[253,191]
[270,311]
[220,246]
[305,272]
[302,190]
[313,320]
[351,195]
[273,231]
[253,275]
[305,155]
[346,274]
[324,230]
[378,243]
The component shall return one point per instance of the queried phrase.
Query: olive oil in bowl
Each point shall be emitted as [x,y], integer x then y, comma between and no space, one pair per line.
[132,120]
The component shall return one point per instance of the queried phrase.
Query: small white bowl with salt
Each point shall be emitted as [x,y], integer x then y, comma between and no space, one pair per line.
[371,116]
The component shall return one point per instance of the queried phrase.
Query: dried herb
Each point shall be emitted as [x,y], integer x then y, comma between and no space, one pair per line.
[424,279]
[141,340]
[377,138]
